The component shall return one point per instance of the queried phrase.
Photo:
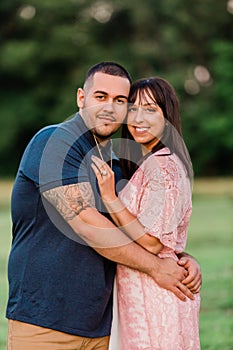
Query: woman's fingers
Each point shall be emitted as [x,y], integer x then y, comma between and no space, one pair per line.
[99,167]
[96,170]
[102,166]
[98,162]
[105,178]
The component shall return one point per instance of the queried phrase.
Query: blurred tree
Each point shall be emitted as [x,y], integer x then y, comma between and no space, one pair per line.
[47,46]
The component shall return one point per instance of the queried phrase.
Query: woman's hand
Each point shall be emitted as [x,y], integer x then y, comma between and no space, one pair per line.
[194,279]
[105,178]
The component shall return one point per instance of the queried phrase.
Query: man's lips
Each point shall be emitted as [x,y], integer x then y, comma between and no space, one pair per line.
[106,118]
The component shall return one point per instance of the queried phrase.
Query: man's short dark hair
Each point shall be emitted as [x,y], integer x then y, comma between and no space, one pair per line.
[111,68]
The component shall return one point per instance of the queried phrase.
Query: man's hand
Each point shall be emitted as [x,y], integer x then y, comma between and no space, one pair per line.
[170,276]
[194,279]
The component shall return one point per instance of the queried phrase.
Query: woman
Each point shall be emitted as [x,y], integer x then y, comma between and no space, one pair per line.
[154,209]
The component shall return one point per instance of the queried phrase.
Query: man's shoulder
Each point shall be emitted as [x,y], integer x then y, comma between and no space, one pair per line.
[68,131]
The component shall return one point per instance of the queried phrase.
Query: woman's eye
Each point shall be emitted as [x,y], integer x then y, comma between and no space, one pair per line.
[132,109]
[150,110]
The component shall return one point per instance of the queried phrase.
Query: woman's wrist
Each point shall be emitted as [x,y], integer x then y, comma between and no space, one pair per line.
[114,205]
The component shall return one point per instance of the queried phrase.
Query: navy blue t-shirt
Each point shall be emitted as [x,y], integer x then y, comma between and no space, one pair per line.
[55,279]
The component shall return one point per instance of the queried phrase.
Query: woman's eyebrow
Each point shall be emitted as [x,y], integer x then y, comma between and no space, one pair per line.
[151,104]
[146,104]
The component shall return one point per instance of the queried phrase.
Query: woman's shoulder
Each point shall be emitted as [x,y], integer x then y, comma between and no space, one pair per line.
[158,158]
[163,163]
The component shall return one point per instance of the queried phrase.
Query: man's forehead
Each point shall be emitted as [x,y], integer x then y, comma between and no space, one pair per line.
[110,84]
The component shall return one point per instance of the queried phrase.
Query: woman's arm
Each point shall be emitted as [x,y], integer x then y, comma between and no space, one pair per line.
[119,213]
[129,223]
[75,203]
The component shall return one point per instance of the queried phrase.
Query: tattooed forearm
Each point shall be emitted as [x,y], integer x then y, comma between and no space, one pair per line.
[71,200]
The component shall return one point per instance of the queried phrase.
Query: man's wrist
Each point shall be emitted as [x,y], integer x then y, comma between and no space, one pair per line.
[153,269]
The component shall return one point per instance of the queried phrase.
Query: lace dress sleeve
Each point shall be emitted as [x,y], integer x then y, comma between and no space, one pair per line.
[164,204]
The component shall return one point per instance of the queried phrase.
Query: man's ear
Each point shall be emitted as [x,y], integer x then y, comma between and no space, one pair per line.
[80,98]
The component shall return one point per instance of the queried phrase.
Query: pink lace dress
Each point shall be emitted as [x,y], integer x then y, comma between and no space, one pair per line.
[153,318]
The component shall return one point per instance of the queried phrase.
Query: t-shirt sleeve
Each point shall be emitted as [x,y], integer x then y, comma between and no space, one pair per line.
[54,158]
[164,199]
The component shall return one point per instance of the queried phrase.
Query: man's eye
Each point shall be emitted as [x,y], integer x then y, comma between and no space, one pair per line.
[120,101]
[100,97]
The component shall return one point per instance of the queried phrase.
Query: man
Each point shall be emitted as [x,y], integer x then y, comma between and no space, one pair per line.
[62,262]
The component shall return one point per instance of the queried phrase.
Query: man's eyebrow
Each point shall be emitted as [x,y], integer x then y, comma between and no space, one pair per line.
[100,92]
[105,93]
[122,96]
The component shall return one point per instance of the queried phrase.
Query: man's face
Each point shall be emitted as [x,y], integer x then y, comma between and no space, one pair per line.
[103,103]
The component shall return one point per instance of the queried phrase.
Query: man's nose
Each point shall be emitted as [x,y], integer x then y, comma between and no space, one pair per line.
[109,106]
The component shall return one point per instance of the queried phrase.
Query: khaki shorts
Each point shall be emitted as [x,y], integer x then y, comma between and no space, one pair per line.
[24,336]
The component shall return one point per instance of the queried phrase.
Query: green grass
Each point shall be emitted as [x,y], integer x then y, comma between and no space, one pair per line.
[210,241]
[4,251]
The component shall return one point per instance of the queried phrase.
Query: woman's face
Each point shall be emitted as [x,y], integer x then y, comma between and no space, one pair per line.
[146,122]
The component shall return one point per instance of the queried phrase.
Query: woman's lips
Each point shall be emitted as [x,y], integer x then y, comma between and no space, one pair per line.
[141,129]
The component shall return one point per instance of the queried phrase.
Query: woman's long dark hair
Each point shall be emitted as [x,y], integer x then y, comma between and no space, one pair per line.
[163,94]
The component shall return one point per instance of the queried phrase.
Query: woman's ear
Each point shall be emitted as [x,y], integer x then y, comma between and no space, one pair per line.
[80,98]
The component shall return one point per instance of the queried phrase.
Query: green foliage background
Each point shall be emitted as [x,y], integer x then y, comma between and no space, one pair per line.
[47,46]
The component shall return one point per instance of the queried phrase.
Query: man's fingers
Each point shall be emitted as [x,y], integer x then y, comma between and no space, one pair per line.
[195,286]
[196,289]
[184,289]
[193,282]
[182,292]
[179,294]
[188,279]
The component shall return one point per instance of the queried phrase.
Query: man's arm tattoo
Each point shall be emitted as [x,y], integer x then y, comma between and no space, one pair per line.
[71,200]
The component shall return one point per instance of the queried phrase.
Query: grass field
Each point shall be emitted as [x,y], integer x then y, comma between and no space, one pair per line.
[210,241]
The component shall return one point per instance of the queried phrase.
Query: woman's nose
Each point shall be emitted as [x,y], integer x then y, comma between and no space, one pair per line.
[138,117]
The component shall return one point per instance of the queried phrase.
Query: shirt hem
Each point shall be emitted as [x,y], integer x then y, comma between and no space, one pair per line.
[80,333]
